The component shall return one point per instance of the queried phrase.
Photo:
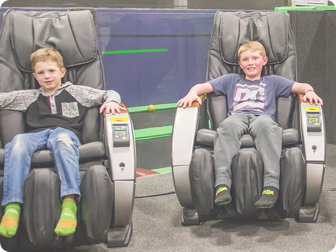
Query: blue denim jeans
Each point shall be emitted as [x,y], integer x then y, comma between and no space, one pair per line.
[63,145]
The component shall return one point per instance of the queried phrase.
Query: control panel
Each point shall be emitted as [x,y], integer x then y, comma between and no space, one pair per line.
[120,134]
[313,115]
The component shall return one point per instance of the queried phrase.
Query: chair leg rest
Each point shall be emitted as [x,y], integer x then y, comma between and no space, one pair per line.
[119,236]
[308,214]
[190,217]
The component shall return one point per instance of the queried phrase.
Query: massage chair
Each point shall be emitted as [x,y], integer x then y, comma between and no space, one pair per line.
[303,142]
[107,154]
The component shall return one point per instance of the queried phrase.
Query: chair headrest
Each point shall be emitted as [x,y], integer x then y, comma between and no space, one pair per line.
[59,30]
[238,28]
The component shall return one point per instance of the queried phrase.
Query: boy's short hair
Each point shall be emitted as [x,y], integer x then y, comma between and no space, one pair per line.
[46,54]
[253,46]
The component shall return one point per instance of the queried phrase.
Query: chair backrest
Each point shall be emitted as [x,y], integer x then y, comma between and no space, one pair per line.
[73,34]
[233,29]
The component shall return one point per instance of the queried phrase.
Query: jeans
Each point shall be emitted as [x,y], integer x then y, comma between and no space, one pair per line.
[63,145]
[267,136]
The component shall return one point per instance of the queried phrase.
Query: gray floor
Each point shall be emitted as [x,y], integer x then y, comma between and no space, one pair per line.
[157,224]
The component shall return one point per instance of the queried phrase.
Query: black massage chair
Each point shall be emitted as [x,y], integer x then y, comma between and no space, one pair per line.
[107,162]
[303,155]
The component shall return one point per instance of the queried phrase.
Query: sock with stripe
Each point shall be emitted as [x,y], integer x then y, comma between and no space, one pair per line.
[268,197]
[222,196]
[68,221]
[10,220]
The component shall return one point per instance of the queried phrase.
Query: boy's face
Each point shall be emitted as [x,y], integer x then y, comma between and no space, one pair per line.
[49,75]
[252,62]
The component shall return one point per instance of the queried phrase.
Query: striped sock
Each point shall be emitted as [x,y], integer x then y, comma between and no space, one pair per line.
[10,220]
[268,198]
[222,196]
[68,221]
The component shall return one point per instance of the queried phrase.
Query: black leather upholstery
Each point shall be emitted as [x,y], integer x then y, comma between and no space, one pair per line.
[73,33]
[230,31]
[25,32]
[206,137]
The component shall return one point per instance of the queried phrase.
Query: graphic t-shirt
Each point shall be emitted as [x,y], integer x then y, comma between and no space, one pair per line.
[254,97]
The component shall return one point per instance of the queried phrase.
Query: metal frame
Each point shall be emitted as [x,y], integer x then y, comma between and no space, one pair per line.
[122,162]
[184,131]
[313,144]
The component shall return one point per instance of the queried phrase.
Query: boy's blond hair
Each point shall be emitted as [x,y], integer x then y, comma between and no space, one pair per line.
[46,54]
[254,46]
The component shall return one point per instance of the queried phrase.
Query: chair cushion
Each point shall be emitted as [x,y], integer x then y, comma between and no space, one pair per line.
[34,30]
[207,137]
[87,152]
[239,27]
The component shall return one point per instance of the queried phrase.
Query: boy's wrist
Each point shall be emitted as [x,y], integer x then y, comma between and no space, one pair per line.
[309,90]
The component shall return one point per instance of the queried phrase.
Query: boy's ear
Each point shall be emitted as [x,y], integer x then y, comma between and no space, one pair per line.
[265,61]
[63,71]
[34,75]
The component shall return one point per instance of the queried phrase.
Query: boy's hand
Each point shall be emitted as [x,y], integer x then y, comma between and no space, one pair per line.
[193,95]
[312,97]
[112,107]
[188,100]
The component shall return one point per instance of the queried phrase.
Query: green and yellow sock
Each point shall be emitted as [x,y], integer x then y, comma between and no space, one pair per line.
[10,220]
[222,196]
[268,197]
[68,221]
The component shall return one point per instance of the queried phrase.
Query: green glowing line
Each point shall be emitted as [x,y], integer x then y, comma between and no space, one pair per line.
[135,51]
[157,107]
[163,170]
[154,132]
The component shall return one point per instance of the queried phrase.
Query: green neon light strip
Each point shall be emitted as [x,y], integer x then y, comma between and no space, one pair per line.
[163,170]
[135,51]
[157,107]
[155,132]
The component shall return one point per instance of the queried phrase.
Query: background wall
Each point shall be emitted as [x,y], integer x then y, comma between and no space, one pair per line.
[158,77]
[184,4]
[152,77]
[191,4]
[315,36]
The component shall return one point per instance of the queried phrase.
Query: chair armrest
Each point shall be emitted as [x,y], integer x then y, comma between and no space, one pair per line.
[184,132]
[122,158]
[313,141]
[121,145]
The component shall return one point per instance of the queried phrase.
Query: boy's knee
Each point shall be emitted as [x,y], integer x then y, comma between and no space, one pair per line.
[18,140]
[225,127]
[229,126]
[266,126]
[65,139]
[227,123]
[264,122]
